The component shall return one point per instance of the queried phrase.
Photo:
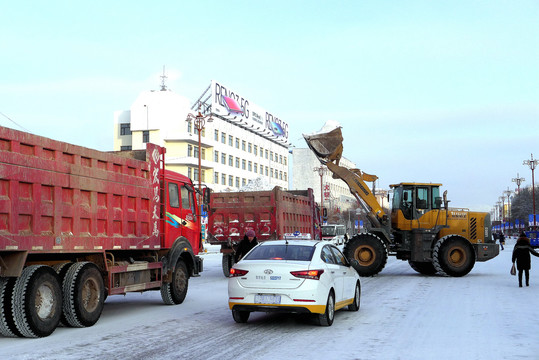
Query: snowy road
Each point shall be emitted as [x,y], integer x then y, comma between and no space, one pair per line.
[403,315]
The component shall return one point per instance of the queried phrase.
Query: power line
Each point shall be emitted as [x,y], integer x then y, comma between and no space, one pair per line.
[7,117]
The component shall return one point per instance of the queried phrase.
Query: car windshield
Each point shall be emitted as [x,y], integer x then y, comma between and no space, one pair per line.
[281,252]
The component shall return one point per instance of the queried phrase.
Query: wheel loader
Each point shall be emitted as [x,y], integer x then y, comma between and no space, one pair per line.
[421,228]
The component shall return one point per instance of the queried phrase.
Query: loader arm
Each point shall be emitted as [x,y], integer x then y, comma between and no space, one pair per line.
[327,146]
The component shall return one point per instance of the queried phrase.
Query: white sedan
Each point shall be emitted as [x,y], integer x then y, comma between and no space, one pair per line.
[295,276]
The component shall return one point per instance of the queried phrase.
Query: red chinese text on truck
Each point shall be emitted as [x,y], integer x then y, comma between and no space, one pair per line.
[77,225]
[271,214]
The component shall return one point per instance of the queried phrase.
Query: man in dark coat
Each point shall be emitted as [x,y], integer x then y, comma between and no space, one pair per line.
[248,242]
[521,253]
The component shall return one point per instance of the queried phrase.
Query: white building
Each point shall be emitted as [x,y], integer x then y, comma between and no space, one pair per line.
[242,141]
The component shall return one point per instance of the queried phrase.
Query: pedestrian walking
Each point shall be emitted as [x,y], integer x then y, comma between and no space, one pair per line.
[501,239]
[521,254]
[248,242]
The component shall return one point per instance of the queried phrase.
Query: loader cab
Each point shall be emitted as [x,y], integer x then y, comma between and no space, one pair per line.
[413,200]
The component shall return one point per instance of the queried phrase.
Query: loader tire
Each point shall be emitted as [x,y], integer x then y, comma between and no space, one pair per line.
[453,256]
[425,268]
[367,253]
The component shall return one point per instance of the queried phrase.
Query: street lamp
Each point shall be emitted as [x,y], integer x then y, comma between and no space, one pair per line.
[518,180]
[321,170]
[532,164]
[502,199]
[508,193]
[199,122]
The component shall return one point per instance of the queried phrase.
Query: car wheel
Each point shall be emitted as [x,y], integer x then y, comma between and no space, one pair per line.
[240,316]
[357,299]
[326,319]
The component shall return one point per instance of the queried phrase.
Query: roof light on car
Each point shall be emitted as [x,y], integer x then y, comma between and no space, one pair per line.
[308,274]
[237,272]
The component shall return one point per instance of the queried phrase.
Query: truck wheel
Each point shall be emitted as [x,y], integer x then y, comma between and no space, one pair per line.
[84,294]
[453,256]
[425,268]
[326,319]
[7,322]
[61,270]
[367,253]
[240,316]
[174,293]
[227,262]
[357,299]
[37,301]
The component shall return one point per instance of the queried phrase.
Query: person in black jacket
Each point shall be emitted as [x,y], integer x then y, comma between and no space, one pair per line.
[248,242]
[521,254]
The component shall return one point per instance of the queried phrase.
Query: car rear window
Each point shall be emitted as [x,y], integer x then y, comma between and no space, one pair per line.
[281,252]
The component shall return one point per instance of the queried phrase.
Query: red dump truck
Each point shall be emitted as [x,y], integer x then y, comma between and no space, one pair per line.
[77,225]
[271,214]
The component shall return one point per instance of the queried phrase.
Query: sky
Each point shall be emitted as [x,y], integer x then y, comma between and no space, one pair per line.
[425,91]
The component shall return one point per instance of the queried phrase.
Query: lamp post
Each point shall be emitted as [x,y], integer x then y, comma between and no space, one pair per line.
[502,199]
[508,193]
[518,180]
[321,170]
[199,122]
[532,164]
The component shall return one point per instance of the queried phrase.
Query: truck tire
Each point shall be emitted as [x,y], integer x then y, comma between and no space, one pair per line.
[240,316]
[357,299]
[174,293]
[7,322]
[61,270]
[227,263]
[326,319]
[84,294]
[37,301]
[453,256]
[425,268]
[367,253]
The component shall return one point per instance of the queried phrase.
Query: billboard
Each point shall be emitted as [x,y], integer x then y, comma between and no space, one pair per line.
[239,109]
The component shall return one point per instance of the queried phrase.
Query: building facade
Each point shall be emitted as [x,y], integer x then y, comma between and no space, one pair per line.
[235,147]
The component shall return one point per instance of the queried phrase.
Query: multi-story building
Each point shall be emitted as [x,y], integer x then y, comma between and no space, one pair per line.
[242,142]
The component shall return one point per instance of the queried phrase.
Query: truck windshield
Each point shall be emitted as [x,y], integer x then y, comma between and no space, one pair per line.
[329,231]
[281,252]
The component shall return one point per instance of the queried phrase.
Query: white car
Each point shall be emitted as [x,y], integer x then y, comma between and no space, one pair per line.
[295,276]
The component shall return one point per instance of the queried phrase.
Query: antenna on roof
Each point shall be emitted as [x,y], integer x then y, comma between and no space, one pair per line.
[163,77]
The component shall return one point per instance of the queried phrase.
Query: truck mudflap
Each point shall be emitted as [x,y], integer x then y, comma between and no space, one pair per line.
[199,265]
[486,252]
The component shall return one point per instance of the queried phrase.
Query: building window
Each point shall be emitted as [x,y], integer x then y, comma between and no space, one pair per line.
[261,152]
[195,174]
[189,172]
[285,177]
[146,136]
[216,156]
[243,145]
[203,176]
[250,148]
[216,137]
[126,148]
[266,171]
[189,150]
[230,140]
[243,182]
[125,129]
[223,138]
[237,143]
[243,164]
[261,169]
[280,175]
[238,162]
[230,180]
[284,160]
[271,173]
[256,168]
[223,158]
[255,150]
[237,182]
[203,157]
[189,127]
[250,166]
[195,153]
[280,159]
[230,160]
[266,153]
[216,177]
[271,156]
[223,179]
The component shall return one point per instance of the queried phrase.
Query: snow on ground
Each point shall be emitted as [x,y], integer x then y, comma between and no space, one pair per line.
[403,315]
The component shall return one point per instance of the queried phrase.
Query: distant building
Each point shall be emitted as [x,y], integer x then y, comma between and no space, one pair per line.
[243,142]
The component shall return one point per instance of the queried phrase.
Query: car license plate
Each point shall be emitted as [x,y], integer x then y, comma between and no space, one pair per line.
[267,299]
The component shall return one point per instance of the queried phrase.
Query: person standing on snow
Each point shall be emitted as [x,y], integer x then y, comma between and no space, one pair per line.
[521,254]
[501,239]
[248,242]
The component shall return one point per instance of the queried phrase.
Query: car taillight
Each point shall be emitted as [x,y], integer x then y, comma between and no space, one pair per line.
[308,274]
[237,272]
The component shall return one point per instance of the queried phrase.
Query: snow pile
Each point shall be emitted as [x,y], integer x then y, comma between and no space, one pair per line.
[257,184]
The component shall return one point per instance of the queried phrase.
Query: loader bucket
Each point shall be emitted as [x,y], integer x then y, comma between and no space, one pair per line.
[326,145]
